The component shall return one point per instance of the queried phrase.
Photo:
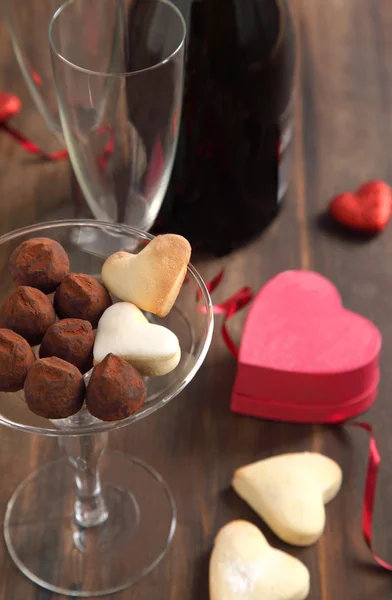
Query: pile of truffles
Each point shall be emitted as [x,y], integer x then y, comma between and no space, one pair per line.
[57,326]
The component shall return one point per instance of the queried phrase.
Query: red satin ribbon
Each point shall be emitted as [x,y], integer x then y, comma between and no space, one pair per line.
[10,106]
[108,150]
[373,466]
[229,308]
[29,146]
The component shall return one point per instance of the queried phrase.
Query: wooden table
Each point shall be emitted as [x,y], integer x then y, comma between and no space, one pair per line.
[343,137]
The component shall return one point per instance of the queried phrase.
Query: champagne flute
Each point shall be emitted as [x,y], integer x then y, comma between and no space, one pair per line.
[119,80]
[28,22]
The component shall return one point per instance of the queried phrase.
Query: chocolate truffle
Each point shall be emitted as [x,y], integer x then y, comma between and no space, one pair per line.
[81,297]
[40,263]
[16,358]
[72,340]
[54,388]
[29,312]
[115,390]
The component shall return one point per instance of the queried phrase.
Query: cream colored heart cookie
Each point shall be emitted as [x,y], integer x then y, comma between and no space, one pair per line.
[124,330]
[151,279]
[289,492]
[244,566]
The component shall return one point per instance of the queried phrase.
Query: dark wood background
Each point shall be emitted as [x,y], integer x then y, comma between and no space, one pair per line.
[343,137]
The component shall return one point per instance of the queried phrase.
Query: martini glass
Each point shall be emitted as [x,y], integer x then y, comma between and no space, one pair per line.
[95,522]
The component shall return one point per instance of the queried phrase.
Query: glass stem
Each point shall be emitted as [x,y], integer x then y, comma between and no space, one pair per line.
[83,453]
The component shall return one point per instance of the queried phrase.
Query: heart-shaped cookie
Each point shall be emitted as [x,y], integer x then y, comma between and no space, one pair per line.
[289,492]
[151,279]
[303,356]
[243,566]
[368,209]
[123,330]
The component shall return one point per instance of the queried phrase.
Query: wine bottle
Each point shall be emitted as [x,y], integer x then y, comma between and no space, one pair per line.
[231,169]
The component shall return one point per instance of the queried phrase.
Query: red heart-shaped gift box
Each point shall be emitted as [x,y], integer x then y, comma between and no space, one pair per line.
[303,356]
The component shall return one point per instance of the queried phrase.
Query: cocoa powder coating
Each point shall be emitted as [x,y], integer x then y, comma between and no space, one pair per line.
[115,390]
[28,312]
[81,296]
[72,340]
[16,359]
[40,263]
[54,388]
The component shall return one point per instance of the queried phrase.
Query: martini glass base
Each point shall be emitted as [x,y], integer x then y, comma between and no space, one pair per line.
[54,552]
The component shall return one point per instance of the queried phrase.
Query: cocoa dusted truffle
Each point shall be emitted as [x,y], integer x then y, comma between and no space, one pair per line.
[40,263]
[72,340]
[54,388]
[28,312]
[115,390]
[16,358]
[81,297]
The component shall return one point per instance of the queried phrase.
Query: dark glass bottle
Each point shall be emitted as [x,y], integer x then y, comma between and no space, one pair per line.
[231,169]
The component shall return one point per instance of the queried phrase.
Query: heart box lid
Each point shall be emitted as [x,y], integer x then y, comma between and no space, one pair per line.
[303,356]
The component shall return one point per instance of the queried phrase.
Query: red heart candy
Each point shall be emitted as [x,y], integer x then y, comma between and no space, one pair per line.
[10,105]
[368,209]
[303,356]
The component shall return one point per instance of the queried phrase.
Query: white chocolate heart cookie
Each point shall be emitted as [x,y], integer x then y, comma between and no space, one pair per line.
[123,330]
[289,492]
[243,566]
[151,279]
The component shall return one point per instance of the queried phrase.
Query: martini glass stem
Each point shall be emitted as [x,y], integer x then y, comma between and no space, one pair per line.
[83,453]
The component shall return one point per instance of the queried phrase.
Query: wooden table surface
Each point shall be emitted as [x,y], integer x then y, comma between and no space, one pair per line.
[343,137]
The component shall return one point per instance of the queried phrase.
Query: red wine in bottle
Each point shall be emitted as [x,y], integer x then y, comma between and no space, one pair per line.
[231,169]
